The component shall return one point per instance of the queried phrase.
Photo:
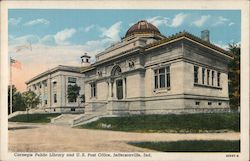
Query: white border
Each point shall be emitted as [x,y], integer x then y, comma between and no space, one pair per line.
[220,5]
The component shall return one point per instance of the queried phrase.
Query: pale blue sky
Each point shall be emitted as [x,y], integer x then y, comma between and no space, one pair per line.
[223,25]
[60,37]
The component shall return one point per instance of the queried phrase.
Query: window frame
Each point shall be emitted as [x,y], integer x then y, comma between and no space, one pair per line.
[159,74]
[93,90]
[196,74]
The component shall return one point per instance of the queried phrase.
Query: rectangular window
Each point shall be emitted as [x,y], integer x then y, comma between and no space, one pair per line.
[45,102]
[196,72]
[208,76]
[162,77]
[218,79]
[168,76]
[209,103]
[203,75]
[212,78]
[156,79]
[197,103]
[71,80]
[55,98]
[93,89]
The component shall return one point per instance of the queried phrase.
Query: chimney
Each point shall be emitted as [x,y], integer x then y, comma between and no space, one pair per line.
[205,35]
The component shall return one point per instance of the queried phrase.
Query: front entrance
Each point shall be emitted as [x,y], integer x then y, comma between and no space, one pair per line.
[119,89]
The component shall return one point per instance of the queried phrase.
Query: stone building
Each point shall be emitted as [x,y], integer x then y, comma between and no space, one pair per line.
[52,87]
[149,73]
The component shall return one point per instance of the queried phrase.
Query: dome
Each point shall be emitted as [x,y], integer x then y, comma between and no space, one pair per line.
[142,27]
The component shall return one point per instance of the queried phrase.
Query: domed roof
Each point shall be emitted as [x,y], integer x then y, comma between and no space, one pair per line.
[142,27]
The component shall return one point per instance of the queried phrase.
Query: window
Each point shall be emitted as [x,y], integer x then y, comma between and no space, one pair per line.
[218,79]
[93,89]
[197,103]
[55,98]
[40,85]
[196,72]
[203,75]
[71,80]
[54,84]
[209,103]
[162,77]
[208,76]
[72,109]
[219,103]
[168,76]
[45,102]
[212,78]
[87,60]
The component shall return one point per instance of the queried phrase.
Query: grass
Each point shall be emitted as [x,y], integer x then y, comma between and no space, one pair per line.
[191,146]
[34,118]
[183,123]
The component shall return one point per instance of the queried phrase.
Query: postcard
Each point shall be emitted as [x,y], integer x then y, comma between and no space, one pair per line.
[125,80]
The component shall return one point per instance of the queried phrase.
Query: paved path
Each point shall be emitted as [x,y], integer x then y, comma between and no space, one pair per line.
[48,137]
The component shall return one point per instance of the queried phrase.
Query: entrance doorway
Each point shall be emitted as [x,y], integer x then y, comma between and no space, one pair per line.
[119,89]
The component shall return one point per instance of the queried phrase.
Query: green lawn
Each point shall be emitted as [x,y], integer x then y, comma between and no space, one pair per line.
[191,146]
[34,118]
[184,123]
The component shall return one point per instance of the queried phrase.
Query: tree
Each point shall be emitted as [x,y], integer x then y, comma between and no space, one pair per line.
[31,100]
[73,92]
[234,77]
[17,100]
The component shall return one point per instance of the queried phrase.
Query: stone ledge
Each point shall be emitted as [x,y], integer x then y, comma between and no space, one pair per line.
[207,86]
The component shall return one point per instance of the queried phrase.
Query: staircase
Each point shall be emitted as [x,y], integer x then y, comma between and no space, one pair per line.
[78,119]
[64,119]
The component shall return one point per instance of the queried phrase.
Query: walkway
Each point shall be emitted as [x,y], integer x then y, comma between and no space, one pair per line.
[48,137]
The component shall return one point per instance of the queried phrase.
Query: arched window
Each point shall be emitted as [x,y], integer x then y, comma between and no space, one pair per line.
[116,71]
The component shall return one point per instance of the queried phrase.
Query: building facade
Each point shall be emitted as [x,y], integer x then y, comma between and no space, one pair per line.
[148,73]
[52,88]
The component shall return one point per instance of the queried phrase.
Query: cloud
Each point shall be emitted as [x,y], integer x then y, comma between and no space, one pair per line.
[48,40]
[200,22]
[15,41]
[220,21]
[15,21]
[158,21]
[88,28]
[178,19]
[49,56]
[112,32]
[42,58]
[37,21]
[61,37]
[231,24]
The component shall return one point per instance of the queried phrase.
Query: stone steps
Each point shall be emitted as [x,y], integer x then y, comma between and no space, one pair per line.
[64,119]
